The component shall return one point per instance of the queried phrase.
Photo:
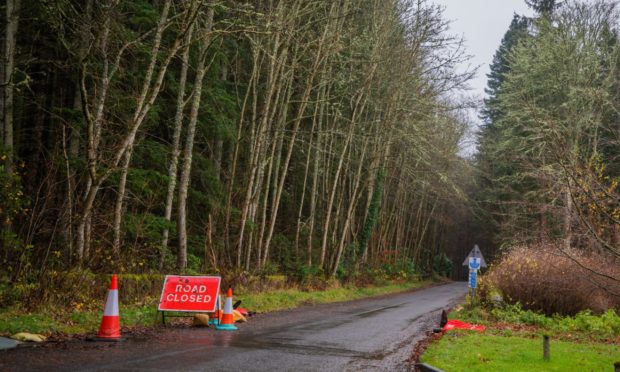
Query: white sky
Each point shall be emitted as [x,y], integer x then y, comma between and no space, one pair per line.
[482,23]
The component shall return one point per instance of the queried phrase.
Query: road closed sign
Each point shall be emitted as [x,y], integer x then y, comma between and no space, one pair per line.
[189,293]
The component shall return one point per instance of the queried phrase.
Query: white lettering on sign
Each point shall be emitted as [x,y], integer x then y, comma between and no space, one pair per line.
[189,293]
[175,297]
[191,288]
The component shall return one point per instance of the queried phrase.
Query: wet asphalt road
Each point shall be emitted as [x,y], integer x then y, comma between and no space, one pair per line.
[373,334]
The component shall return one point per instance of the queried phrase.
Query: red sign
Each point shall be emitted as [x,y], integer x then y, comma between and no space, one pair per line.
[189,293]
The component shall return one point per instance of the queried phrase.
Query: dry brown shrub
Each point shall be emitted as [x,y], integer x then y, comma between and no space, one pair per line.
[552,280]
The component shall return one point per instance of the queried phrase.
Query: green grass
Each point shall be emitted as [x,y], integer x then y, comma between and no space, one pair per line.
[292,298]
[461,351]
[48,321]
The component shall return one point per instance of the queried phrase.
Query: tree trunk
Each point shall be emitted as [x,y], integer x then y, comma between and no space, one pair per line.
[235,156]
[318,64]
[332,196]
[93,124]
[351,209]
[303,187]
[10,30]
[568,216]
[218,147]
[118,208]
[176,140]
[150,90]
[315,174]
[261,130]
[184,180]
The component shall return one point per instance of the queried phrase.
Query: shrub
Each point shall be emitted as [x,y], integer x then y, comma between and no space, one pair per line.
[546,279]
[606,324]
[442,265]
[403,268]
[516,314]
[81,290]
[307,274]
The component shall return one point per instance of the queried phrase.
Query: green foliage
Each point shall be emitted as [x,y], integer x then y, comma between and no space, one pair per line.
[221,110]
[401,269]
[442,265]
[269,268]
[606,324]
[343,273]
[553,100]
[544,6]
[147,227]
[516,314]
[362,78]
[14,292]
[12,199]
[500,67]
[306,273]
[291,298]
[584,325]
[49,322]
[194,265]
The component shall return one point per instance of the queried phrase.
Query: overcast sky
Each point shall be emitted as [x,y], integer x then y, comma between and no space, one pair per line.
[482,23]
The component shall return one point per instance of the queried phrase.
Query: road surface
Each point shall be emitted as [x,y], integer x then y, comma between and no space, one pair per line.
[373,334]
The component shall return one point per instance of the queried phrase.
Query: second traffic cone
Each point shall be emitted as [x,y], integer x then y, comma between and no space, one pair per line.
[110,329]
[227,323]
[215,318]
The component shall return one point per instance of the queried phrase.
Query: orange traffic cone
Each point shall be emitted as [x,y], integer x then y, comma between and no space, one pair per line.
[110,329]
[227,323]
[215,318]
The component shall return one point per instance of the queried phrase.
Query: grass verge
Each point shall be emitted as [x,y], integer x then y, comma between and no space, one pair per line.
[512,320]
[292,298]
[462,351]
[66,322]
[54,322]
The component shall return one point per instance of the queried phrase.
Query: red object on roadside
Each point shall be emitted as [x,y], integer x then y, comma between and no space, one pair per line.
[457,324]
[243,311]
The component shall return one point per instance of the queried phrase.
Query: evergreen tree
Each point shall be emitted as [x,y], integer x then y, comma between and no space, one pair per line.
[487,194]
[541,156]
[544,7]
[500,66]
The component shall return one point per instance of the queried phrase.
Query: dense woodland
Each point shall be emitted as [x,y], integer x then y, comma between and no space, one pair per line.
[549,158]
[549,150]
[300,137]
[271,136]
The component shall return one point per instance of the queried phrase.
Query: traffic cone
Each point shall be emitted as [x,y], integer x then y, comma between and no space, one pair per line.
[215,318]
[227,323]
[110,329]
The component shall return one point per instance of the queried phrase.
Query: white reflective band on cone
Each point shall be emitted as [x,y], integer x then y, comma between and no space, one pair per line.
[228,306]
[111,304]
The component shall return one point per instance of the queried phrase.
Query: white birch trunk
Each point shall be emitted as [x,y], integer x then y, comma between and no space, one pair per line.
[184,179]
[176,140]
